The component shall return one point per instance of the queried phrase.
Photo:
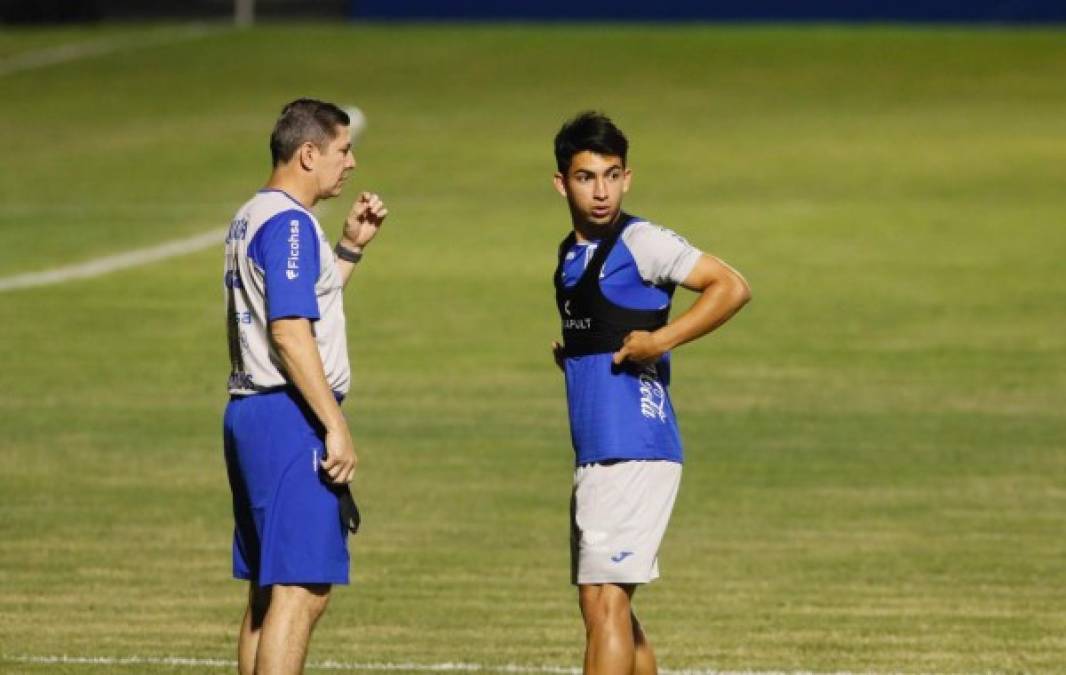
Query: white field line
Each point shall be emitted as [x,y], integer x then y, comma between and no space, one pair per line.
[99,266]
[179,661]
[50,56]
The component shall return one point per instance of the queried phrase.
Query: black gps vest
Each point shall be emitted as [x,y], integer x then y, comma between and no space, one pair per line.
[591,323]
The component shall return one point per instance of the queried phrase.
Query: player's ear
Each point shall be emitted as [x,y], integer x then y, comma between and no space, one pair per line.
[560,183]
[307,155]
[627,175]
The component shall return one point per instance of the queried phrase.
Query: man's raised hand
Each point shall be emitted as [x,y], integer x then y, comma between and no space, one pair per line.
[364,220]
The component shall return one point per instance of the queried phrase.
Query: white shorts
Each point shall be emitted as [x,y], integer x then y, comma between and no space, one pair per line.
[618,515]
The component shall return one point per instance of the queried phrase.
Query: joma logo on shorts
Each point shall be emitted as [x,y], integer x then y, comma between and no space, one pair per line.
[620,556]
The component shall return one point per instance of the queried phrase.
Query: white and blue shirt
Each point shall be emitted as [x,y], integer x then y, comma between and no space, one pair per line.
[625,413]
[279,264]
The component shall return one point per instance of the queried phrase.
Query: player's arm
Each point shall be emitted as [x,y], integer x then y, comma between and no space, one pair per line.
[723,291]
[360,227]
[286,248]
[296,347]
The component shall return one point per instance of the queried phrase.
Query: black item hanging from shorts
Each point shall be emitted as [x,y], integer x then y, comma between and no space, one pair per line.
[591,323]
[350,517]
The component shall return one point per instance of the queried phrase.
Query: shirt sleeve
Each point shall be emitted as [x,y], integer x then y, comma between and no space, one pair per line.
[662,255]
[286,247]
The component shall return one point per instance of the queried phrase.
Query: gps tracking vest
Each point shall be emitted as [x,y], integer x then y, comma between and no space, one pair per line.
[591,323]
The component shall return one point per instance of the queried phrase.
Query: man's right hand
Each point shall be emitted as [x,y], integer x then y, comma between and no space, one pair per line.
[339,463]
[558,354]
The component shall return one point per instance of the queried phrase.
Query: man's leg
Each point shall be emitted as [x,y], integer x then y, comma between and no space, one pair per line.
[643,654]
[287,627]
[609,631]
[248,643]
[615,640]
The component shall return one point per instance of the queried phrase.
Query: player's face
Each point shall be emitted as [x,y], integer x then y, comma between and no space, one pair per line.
[335,162]
[593,187]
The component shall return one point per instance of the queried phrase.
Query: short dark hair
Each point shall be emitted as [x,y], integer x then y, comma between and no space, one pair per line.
[592,131]
[303,120]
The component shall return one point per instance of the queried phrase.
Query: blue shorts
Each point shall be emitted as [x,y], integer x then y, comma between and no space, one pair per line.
[288,526]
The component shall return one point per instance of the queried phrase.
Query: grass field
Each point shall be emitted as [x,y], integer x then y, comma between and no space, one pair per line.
[876,476]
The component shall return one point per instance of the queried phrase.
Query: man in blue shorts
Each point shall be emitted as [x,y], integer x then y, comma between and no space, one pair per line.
[613,286]
[287,444]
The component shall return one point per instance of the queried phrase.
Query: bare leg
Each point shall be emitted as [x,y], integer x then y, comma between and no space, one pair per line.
[248,642]
[643,654]
[286,631]
[609,631]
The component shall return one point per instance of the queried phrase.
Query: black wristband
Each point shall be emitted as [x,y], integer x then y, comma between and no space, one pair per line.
[347,254]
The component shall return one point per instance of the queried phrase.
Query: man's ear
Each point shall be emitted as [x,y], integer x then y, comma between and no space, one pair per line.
[627,176]
[307,153]
[560,183]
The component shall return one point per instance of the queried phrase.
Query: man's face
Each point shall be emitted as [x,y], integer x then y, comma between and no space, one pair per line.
[334,163]
[593,187]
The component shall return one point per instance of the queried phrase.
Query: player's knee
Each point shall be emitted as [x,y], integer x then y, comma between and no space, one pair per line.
[603,604]
[309,600]
[317,599]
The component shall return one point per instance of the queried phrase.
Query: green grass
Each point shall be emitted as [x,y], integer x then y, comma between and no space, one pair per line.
[875,446]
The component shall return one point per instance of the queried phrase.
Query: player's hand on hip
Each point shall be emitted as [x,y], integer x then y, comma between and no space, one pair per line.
[339,463]
[364,220]
[639,346]
[558,354]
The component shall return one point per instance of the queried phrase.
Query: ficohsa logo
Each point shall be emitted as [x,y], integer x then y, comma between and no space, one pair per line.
[293,265]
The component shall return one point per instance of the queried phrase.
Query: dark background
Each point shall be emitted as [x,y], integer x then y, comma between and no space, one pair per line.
[982,11]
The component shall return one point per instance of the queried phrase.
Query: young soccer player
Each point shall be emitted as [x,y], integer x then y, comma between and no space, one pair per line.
[613,286]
